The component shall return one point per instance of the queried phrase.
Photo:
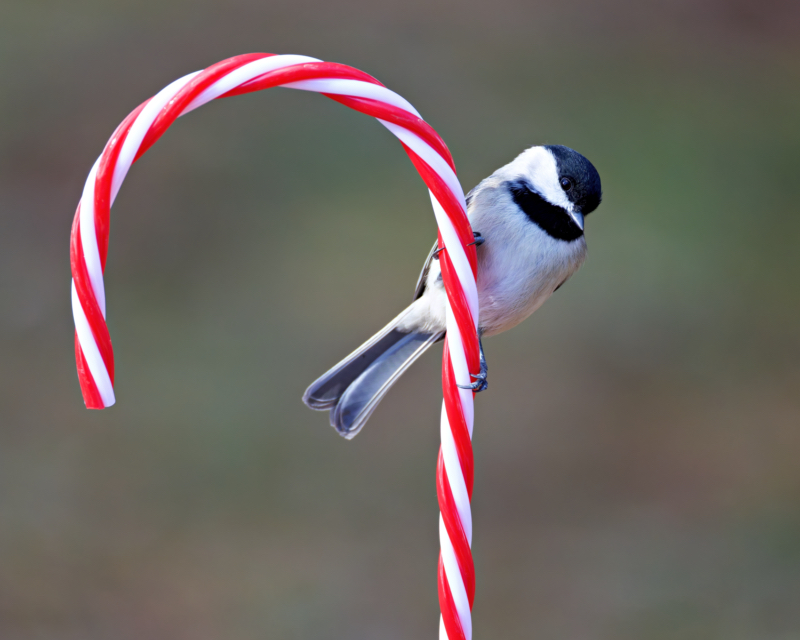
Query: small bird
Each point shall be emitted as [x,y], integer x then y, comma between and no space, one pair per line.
[530,216]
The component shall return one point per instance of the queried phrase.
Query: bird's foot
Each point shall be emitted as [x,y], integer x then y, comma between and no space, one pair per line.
[481,383]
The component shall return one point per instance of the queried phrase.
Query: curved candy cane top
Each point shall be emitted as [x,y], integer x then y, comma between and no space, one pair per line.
[245,74]
[429,154]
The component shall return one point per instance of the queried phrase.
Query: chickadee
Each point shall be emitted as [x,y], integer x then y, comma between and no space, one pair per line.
[530,216]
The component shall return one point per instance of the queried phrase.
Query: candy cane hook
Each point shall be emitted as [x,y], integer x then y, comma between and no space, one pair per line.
[431,157]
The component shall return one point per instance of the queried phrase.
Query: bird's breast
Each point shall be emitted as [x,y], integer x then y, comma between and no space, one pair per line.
[518,269]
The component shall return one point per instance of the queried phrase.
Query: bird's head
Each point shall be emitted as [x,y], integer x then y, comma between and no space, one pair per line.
[555,187]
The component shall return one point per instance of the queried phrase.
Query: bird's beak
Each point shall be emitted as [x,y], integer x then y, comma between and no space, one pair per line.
[577,216]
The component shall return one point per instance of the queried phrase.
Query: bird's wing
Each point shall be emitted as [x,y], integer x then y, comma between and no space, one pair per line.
[424,274]
[427,266]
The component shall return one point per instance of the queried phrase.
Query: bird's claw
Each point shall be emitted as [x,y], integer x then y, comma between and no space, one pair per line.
[479,239]
[480,384]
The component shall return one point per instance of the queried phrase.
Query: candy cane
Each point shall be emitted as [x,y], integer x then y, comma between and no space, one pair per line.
[432,159]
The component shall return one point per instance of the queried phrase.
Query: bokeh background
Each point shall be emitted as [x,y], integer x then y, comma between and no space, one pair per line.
[637,471]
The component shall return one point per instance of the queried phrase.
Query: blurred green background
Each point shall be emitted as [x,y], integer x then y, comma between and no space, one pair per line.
[637,471]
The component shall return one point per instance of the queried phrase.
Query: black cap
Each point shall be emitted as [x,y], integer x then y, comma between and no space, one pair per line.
[585,191]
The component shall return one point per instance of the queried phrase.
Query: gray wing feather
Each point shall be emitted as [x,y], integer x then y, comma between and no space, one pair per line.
[326,390]
[353,388]
[363,394]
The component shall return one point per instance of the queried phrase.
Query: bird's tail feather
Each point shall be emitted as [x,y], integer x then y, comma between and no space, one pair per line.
[353,388]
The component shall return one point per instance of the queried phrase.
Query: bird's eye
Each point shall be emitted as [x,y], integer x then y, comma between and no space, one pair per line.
[566,184]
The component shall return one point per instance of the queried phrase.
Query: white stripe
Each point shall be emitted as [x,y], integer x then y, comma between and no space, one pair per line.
[90,351]
[140,128]
[458,484]
[243,74]
[457,588]
[442,630]
[457,257]
[355,88]
[431,157]
[457,356]
[460,369]
[91,252]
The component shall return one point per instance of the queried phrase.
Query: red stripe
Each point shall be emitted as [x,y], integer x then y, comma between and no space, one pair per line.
[455,291]
[87,298]
[453,208]
[80,275]
[105,176]
[452,623]
[398,116]
[207,77]
[455,529]
[83,286]
[461,312]
[91,396]
[189,92]
[456,419]
[298,72]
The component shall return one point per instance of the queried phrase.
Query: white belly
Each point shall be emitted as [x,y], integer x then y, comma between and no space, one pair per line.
[513,284]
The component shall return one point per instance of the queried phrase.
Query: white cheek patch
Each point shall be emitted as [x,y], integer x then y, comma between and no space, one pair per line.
[539,166]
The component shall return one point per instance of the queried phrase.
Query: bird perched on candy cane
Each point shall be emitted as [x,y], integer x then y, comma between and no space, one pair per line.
[528,218]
